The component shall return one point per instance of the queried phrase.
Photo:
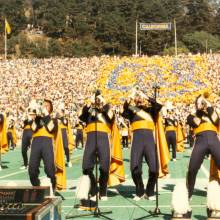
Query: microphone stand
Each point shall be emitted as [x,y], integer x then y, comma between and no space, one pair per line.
[156,212]
[97,212]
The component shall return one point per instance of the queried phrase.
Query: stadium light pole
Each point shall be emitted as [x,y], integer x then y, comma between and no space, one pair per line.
[206,46]
[175,36]
[140,49]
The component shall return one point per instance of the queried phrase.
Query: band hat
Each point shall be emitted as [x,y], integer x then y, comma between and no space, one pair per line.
[32,111]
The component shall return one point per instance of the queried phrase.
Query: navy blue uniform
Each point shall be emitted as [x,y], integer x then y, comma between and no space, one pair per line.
[170,128]
[11,141]
[64,127]
[97,145]
[206,142]
[26,140]
[143,146]
[79,134]
[43,129]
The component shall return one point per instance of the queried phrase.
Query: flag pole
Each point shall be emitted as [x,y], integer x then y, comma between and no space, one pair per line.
[5,42]
[175,35]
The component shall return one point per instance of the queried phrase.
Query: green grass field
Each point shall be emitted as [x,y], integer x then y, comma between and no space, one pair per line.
[120,198]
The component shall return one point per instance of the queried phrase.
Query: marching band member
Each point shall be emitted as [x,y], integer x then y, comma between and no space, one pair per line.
[205,122]
[11,133]
[3,135]
[67,135]
[27,135]
[47,145]
[79,134]
[103,141]
[98,117]
[142,114]
[171,137]
[124,132]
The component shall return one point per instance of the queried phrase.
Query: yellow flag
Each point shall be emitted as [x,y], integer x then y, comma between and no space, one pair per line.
[7,27]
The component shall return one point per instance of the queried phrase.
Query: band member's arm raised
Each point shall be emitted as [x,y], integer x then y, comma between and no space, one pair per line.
[85,113]
[212,114]
[108,113]
[155,108]
[193,121]
[127,112]
[24,123]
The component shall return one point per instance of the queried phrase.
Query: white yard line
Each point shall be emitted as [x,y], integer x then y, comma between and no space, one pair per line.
[12,174]
[135,206]
[23,171]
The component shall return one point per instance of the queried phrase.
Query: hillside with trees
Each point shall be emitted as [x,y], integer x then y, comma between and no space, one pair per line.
[44,28]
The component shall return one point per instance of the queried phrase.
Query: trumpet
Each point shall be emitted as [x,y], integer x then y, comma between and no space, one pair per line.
[138,97]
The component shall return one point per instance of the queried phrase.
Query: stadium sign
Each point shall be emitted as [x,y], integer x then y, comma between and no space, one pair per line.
[155,26]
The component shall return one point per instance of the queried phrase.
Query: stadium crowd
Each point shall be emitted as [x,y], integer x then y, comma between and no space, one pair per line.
[72,80]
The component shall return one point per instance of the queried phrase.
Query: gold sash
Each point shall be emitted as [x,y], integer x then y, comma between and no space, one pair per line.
[142,124]
[27,127]
[42,132]
[205,127]
[98,127]
[170,128]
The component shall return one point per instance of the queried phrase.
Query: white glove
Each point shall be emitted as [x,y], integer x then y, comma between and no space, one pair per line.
[45,112]
[29,118]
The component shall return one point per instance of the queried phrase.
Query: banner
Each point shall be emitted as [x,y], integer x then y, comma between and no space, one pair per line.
[155,26]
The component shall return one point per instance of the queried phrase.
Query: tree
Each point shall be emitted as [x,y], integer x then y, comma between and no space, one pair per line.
[13,10]
[199,15]
[94,27]
[54,47]
[51,16]
[217,23]
[197,41]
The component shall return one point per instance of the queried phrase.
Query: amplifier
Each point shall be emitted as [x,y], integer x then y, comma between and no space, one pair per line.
[21,211]
[35,194]
[28,203]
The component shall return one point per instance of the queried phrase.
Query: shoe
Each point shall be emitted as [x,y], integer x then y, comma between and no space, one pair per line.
[69,164]
[104,198]
[23,168]
[174,159]
[93,198]
[87,205]
[150,198]
[138,198]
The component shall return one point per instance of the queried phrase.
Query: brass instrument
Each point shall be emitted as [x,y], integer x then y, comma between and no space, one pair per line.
[138,97]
